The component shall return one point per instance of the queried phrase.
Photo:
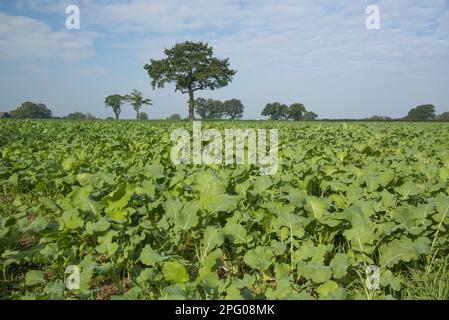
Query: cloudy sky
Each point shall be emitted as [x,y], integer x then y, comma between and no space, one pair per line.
[316,52]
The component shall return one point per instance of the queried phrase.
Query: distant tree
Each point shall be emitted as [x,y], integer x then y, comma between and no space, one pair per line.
[137,101]
[90,117]
[174,117]
[76,116]
[309,116]
[142,116]
[30,110]
[424,112]
[275,111]
[233,109]
[210,108]
[115,102]
[296,111]
[379,118]
[444,116]
[216,109]
[79,116]
[192,67]
[201,108]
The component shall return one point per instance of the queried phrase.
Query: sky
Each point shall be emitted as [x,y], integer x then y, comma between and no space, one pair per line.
[319,53]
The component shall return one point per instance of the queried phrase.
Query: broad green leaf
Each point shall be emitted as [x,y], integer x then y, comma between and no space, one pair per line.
[118,200]
[83,179]
[213,238]
[175,272]
[212,193]
[39,224]
[259,258]
[396,251]
[149,257]
[187,218]
[236,233]
[172,208]
[340,264]
[106,245]
[34,277]
[72,220]
[361,233]
[388,279]
[316,206]
[409,189]
[100,226]
[331,291]
[317,273]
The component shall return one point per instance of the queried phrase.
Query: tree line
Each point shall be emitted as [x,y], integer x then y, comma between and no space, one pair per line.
[424,112]
[233,109]
[296,112]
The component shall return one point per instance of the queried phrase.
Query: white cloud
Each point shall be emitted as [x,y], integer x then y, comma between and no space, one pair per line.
[24,39]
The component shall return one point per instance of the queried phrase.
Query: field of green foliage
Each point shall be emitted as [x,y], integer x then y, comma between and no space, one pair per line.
[105,197]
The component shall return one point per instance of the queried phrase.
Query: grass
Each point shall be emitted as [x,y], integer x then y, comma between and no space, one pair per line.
[424,284]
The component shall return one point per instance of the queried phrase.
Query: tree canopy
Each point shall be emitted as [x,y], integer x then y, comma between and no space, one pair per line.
[276,111]
[191,66]
[309,116]
[30,110]
[296,111]
[424,112]
[115,102]
[233,109]
[79,116]
[174,117]
[215,109]
[378,118]
[138,101]
[142,116]
[444,116]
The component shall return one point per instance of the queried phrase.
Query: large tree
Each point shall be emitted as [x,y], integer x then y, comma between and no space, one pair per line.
[138,101]
[30,110]
[275,111]
[424,112]
[296,111]
[234,109]
[115,102]
[191,66]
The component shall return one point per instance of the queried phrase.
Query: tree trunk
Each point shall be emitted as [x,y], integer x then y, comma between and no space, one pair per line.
[191,106]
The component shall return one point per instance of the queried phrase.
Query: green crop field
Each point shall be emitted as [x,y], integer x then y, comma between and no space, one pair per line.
[105,197]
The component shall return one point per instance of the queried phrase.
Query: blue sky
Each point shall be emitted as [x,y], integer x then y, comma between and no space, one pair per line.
[315,52]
